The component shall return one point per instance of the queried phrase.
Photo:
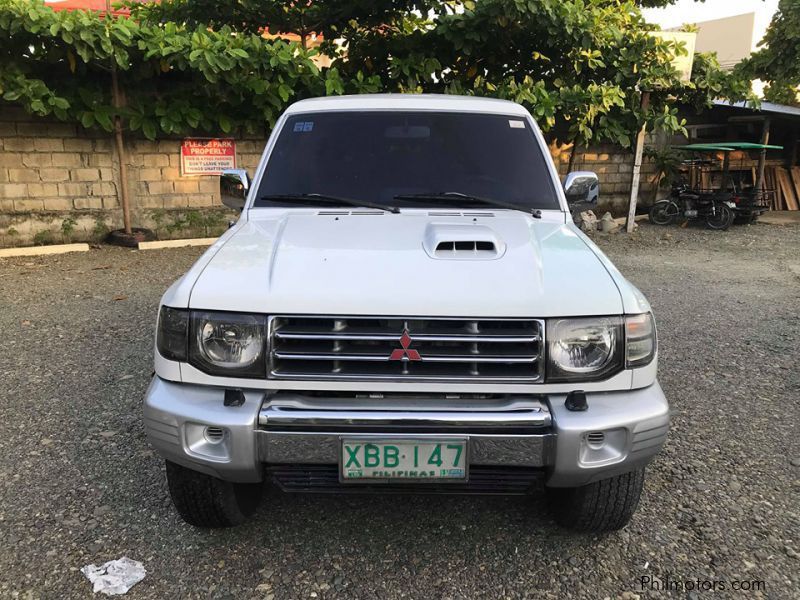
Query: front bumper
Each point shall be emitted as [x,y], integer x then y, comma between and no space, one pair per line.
[190,425]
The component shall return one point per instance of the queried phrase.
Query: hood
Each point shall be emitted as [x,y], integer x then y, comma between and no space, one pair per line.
[417,263]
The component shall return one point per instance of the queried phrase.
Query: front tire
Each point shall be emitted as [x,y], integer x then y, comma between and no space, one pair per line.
[605,505]
[746,219]
[205,501]
[722,219]
[663,212]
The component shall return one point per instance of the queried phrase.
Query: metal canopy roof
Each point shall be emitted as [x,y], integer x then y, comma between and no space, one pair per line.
[704,148]
[749,146]
[727,147]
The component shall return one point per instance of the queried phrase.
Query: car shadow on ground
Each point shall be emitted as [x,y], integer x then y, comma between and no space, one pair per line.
[432,520]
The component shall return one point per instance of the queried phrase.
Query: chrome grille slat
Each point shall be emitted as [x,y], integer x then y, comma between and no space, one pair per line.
[422,337]
[441,349]
[385,358]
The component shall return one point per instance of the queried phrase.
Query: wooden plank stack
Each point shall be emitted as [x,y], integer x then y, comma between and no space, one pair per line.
[786,186]
[794,173]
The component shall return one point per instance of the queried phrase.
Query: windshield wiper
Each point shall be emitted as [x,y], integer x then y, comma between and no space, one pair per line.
[535,212]
[327,199]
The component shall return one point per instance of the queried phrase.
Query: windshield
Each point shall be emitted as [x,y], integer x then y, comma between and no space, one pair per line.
[377,156]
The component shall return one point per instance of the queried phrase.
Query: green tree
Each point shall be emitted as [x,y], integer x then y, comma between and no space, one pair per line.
[777,62]
[194,65]
[331,19]
[578,65]
[177,78]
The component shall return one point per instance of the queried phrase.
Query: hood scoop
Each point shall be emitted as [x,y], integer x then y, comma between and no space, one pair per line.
[462,242]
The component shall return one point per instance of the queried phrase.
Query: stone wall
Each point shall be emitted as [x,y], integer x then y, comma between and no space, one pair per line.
[59,182]
[614,168]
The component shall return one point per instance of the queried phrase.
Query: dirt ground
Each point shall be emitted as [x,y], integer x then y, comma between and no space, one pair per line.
[81,485]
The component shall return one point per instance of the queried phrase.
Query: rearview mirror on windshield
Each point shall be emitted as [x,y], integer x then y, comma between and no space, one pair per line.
[233,186]
[582,187]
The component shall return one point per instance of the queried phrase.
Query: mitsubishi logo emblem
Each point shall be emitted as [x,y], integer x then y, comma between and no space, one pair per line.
[405,353]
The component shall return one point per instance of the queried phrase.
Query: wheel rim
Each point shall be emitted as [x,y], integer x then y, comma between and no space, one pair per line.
[721,219]
[663,214]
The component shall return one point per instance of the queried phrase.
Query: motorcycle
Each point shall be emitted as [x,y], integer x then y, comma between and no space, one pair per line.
[715,208]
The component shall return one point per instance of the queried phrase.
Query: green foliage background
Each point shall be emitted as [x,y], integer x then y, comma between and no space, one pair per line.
[777,62]
[197,66]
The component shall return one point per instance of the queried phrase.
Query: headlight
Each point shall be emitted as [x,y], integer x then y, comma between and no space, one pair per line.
[217,343]
[583,349]
[229,344]
[590,349]
[640,340]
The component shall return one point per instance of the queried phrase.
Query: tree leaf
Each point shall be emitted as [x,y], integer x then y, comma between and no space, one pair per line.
[149,129]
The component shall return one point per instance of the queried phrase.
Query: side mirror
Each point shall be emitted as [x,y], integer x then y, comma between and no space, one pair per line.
[582,187]
[233,186]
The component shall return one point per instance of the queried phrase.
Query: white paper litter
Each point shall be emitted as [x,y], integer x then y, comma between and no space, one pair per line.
[116,576]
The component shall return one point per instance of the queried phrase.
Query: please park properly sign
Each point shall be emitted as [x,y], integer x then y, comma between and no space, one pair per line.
[207,156]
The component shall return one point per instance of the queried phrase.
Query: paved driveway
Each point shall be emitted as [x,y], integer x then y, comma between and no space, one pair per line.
[81,485]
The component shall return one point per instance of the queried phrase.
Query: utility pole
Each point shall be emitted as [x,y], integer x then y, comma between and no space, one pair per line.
[637,164]
[121,157]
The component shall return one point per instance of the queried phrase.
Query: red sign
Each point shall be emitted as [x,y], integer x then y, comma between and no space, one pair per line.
[207,156]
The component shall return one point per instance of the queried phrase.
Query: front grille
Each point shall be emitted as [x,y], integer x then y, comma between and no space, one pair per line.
[406,349]
[483,480]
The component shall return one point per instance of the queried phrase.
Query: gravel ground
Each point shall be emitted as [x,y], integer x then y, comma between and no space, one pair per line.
[81,485]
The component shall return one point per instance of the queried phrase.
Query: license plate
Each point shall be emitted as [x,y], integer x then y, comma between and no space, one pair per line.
[403,459]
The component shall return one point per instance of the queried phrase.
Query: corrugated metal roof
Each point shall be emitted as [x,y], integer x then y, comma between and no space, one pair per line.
[766,107]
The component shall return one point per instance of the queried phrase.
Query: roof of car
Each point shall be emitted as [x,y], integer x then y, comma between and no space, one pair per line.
[421,102]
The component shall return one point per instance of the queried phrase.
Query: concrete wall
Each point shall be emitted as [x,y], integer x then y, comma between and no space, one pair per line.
[614,167]
[732,38]
[59,182]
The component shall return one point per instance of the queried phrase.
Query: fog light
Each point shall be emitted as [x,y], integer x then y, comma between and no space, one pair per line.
[596,439]
[210,442]
[603,447]
[214,435]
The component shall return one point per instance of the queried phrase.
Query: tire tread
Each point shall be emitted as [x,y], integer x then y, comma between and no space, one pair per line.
[205,501]
[605,505]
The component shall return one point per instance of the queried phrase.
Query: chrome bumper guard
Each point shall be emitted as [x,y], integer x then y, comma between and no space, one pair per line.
[190,425]
[510,431]
[297,413]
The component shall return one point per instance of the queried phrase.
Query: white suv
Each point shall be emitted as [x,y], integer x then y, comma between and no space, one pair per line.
[405,305]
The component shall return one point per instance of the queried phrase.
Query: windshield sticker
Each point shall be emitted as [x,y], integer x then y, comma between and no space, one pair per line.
[303,126]
[516,124]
